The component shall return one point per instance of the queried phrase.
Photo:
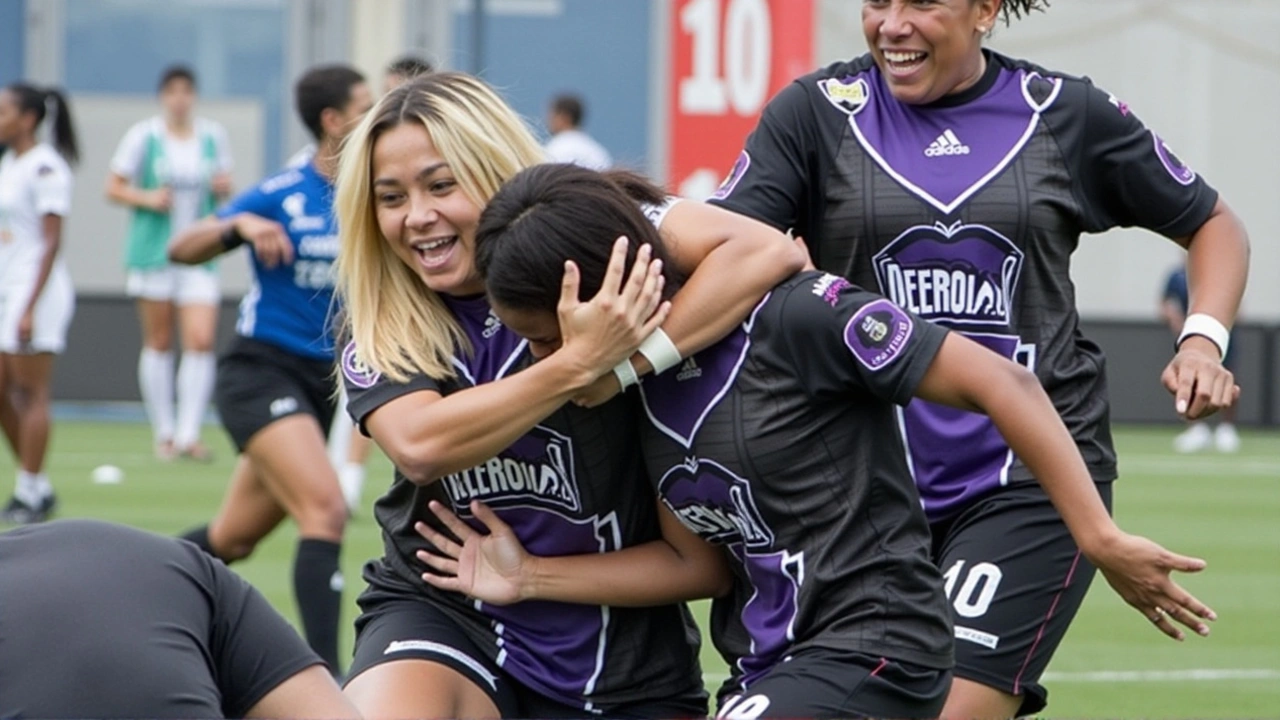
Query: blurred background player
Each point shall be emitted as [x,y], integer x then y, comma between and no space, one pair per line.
[348,447]
[1198,435]
[569,142]
[36,296]
[396,73]
[403,69]
[275,392]
[136,625]
[171,170]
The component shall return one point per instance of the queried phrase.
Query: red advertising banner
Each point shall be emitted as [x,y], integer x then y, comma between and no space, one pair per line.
[729,57]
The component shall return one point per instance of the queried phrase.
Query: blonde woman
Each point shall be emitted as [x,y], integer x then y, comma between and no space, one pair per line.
[454,399]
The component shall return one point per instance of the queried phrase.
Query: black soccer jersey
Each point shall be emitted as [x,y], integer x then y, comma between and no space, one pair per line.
[574,484]
[966,212]
[779,443]
[101,620]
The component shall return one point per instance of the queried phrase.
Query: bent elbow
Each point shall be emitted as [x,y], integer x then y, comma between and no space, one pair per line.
[418,462]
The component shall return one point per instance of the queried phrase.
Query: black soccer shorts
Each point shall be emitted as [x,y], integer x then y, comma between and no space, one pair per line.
[1014,579]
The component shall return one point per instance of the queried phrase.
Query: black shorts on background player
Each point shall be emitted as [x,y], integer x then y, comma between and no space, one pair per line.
[965,212]
[259,383]
[100,620]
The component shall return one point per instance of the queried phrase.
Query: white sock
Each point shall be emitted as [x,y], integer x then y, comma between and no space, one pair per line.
[28,488]
[155,381]
[195,388]
[351,478]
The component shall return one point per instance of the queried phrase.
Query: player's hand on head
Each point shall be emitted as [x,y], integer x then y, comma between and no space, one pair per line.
[269,240]
[609,327]
[1200,384]
[493,567]
[1139,571]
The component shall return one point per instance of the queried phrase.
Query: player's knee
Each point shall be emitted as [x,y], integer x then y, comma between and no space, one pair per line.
[324,516]
[159,339]
[198,341]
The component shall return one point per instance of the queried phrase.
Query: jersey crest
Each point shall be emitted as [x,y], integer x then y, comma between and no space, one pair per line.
[848,94]
[959,275]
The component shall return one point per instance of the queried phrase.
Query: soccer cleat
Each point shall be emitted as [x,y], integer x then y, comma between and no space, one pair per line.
[20,513]
[1226,439]
[1194,439]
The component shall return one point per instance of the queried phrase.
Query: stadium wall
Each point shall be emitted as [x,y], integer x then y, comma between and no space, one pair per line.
[1190,68]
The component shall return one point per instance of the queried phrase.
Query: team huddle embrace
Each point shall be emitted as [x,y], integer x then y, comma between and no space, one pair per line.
[845,399]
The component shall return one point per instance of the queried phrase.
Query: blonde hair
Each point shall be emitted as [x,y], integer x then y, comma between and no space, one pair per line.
[399,325]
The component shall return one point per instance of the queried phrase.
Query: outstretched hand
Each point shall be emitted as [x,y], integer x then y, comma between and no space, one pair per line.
[1140,570]
[493,567]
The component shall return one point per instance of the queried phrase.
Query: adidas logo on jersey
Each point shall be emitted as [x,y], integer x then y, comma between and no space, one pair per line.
[688,371]
[491,326]
[946,144]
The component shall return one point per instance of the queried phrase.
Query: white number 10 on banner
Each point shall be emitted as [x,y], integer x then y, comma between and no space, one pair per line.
[738,78]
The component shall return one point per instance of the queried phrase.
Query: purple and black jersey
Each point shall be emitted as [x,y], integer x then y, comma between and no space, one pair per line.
[779,443]
[966,212]
[574,484]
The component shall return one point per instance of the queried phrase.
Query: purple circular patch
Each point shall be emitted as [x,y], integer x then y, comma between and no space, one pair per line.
[356,372]
[1178,169]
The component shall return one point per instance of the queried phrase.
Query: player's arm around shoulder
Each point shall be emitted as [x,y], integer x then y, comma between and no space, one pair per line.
[731,262]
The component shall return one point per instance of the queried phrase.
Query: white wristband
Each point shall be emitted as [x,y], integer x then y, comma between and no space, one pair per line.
[1205,326]
[626,374]
[660,351]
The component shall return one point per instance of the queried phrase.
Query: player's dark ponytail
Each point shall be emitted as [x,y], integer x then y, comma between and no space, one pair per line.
[45,102]
[1016,9]
[550,213]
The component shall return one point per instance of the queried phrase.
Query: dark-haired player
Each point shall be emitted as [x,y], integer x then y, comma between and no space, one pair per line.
[957,182]
[275,390]
[164,631]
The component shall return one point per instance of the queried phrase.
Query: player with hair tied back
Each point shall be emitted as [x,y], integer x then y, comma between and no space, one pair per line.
[957,182]
[453,397]
[171,170]
[778,444]
[136,625]
[275,390]
[36,296]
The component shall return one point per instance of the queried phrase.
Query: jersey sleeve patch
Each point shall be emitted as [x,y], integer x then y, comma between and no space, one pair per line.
[878,333]
[1177,169]
[356,372]
[740,167]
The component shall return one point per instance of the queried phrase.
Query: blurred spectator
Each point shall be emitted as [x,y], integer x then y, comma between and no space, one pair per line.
[569,144]
[170,170]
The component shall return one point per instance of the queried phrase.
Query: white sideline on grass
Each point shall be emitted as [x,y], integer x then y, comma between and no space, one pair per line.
[1123,676]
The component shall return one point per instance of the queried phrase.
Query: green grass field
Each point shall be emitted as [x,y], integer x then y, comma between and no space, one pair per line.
[1112,664]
